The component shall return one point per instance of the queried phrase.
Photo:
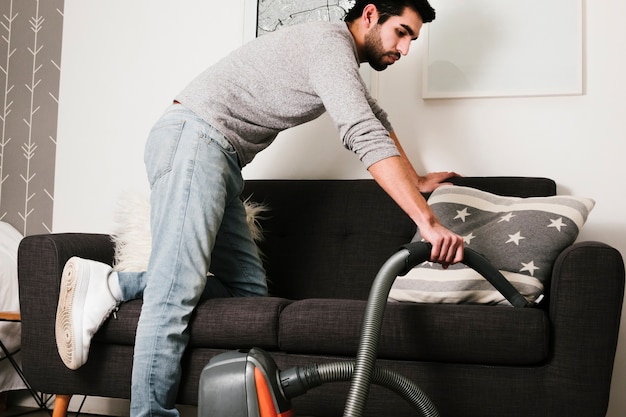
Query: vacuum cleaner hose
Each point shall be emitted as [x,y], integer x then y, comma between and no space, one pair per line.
[400,264]
[234,374]
[296,381]
[363,372]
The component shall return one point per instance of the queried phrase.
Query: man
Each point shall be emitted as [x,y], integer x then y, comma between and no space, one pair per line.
[194,155]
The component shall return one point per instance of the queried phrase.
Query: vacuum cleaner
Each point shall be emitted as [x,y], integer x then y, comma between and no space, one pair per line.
[248,383]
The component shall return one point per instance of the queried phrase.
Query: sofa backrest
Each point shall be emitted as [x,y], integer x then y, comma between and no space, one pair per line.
[328,238]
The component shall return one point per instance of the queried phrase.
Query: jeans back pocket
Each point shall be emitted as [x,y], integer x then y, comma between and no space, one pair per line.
[161,148]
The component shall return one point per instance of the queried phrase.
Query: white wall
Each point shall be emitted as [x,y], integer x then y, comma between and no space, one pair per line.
[124,60]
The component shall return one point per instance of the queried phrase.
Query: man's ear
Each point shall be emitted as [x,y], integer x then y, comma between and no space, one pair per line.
[370,15]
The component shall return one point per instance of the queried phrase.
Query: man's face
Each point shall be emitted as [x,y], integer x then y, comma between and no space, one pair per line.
[386,43]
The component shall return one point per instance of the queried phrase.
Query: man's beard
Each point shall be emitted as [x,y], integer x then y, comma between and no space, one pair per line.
[375,54]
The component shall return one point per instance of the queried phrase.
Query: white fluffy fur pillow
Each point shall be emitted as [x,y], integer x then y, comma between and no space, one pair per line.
[132,237]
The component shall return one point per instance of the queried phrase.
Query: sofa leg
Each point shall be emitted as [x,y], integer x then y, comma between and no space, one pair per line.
[61,403]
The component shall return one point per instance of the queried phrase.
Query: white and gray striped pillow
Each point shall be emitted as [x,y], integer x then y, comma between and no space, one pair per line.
[521,237]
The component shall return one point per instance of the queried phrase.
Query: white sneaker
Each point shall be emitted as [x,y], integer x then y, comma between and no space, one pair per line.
[85,302]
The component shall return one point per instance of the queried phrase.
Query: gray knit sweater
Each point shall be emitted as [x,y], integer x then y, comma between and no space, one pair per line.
[287,78]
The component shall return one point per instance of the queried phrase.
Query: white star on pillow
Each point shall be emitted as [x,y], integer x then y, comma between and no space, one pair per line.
[529,267]
[506,218]
[557,223]
[467,239]
[462,214]
[515,238]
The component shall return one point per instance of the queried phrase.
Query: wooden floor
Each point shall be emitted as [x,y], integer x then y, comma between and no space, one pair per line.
[15,411]
[16,408]
[20,403]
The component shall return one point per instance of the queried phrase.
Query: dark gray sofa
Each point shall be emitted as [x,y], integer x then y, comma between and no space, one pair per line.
[324,242]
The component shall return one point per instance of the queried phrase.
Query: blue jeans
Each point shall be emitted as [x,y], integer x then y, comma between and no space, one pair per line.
[198,225]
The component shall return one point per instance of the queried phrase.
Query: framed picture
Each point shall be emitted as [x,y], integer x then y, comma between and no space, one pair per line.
[266,16]
[496,48]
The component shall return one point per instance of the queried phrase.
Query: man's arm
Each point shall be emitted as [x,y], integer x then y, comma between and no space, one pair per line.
[428,182]
[399,182]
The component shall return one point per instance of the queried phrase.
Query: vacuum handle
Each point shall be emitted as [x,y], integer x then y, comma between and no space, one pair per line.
[420,252]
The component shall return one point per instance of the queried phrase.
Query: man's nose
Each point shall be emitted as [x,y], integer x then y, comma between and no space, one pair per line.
[404,46]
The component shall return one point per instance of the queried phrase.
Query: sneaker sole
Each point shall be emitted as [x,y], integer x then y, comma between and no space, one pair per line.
[74,283]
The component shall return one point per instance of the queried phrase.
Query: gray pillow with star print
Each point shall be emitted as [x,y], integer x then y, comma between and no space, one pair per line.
[521,237]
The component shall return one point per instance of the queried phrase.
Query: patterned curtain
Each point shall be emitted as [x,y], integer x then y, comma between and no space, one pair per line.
[30,65]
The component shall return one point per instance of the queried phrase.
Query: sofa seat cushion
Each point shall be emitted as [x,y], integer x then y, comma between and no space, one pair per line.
[477,334]
[225,323]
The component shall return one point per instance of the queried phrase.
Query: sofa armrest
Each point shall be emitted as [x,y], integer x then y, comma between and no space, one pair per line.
[585,307]
[41,259]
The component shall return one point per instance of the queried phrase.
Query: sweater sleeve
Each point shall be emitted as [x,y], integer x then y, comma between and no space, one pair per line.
[362,124]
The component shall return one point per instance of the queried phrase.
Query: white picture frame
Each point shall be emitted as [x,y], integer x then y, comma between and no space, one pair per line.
[504,48]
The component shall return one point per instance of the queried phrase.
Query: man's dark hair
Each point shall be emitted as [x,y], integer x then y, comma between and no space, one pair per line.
[388,8]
